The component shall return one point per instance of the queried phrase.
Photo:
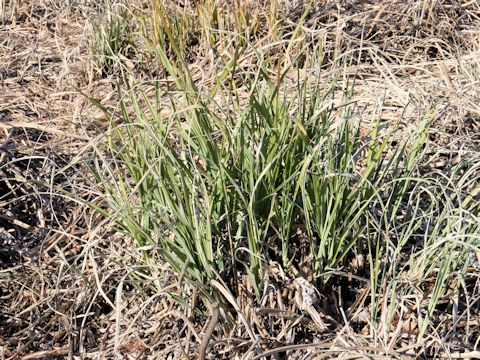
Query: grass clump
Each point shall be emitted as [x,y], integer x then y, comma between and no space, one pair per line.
[257,167]
[114,44]
[222,188]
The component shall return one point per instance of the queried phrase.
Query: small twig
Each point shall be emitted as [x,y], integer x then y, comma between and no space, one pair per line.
[46,353]
[14,221]
[202,352]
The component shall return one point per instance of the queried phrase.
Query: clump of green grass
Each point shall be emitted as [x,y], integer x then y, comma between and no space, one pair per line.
[222,188]
[114,40]
[219,178]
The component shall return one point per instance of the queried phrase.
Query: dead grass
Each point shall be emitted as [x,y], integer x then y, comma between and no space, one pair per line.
[71,287]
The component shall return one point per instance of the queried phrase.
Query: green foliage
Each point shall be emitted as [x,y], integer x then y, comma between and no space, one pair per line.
[223,187]
[114,41]
[221,178]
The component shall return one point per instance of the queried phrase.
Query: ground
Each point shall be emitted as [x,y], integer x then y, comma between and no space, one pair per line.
[71,286]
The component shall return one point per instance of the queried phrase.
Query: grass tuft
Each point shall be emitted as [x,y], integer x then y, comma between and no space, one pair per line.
[258,167]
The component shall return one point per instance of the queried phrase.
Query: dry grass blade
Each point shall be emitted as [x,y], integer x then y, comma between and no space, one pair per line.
[45,129]
[215,316]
